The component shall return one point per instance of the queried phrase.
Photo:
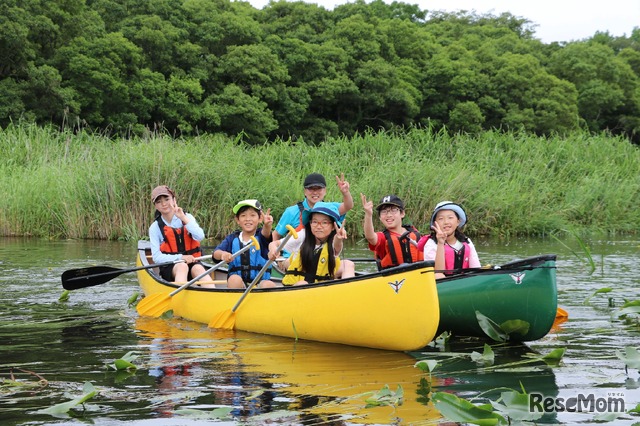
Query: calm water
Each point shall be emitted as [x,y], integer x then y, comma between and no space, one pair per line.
[52,348]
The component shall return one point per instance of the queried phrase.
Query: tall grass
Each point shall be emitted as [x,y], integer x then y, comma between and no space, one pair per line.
[64,185]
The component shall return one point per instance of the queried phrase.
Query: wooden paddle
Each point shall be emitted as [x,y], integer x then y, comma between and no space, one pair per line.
[156,304]
[227,319]
[74,279]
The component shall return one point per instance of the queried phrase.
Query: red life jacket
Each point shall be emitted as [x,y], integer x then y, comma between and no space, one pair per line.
[177,240]
[399,248]
[454,260]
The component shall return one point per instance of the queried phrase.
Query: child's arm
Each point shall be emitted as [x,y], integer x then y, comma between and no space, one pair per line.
[369,233]
[347,199]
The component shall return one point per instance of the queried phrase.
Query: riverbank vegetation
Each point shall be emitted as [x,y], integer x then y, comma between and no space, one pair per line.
[81,185]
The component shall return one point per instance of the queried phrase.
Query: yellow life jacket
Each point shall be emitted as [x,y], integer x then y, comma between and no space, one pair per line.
[295,272]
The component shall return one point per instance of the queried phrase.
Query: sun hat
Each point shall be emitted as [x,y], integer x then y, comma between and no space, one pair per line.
[392,200]
[450,205]
[315,179]
[161,190]
[329,209]
[251,203]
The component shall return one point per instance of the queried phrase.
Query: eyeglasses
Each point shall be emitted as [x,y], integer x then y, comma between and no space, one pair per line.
[389,210]
[321,222]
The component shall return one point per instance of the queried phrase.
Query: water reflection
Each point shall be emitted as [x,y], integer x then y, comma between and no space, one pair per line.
[184,365]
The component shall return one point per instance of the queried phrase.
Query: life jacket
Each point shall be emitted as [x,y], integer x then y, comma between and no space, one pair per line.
[248,263]
[400,250]
[177,240]
[295,272]
[300,226]
[454,260]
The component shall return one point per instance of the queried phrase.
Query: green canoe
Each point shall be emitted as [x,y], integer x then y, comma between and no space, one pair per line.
[522,290]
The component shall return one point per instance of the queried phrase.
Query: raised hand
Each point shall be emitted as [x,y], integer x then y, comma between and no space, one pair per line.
[343,185]
[367,205]
[267,218]
[341,232]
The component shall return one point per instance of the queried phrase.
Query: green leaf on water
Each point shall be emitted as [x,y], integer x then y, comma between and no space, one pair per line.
[486,357]
[491,329]
[426,365]
[628,308]
[219,413]
[515,326]
[133,299]
[385,397]
[64,296]
[599,291]
[167,314]
[635,409]
[631,357]
[460,410]
[125,363]
[88,392]
[515,406]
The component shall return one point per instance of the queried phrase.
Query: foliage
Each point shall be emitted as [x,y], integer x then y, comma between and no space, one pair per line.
[296,70]
[86,185]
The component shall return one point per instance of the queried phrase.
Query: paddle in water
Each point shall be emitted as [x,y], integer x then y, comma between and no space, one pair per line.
[227,319]
[156,304]
[73,279]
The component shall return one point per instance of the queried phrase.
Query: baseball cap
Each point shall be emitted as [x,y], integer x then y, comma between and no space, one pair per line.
[315,179]
[251,203]
[161,190]
[390,200]
[450,205]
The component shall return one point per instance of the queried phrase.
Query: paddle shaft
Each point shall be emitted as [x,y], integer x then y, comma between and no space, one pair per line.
[210,270]
[260,273]
[74,279]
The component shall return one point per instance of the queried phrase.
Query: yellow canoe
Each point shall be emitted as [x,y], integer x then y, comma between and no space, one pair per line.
[396,309]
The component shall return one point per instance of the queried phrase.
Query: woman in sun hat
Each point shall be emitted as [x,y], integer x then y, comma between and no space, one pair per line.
[447,245]
[318,256]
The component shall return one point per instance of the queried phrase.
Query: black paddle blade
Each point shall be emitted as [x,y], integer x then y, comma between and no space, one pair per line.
[74,279]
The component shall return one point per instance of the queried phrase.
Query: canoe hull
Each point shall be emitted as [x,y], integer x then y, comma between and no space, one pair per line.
[524,290]
[396,309]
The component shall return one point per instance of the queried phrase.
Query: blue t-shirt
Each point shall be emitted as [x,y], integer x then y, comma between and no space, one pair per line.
[291,216]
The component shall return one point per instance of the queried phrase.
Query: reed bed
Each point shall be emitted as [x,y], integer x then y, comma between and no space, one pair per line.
[87,186]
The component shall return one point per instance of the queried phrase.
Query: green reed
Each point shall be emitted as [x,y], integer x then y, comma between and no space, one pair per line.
[65,185]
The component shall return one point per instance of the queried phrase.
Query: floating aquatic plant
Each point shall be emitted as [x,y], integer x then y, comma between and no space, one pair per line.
[631,358]
[124,363]
[88,392]
[385,397]
[64,296]
[133,300]
[585,249]
[501,332]
[487,356]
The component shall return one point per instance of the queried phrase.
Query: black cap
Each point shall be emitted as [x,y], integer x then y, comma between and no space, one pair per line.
[390,200]
[315,179]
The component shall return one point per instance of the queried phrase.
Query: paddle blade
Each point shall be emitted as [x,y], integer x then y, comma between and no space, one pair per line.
[154,305]
[74,279]
[561,313]
[225,320]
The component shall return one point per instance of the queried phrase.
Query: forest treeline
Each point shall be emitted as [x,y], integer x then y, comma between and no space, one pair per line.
[295,71]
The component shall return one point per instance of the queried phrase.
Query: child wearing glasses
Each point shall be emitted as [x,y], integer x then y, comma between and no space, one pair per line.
[397,244]
[318,256]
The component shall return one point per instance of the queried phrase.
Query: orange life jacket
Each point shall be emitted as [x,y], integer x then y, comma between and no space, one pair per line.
[399,248]
[177,240]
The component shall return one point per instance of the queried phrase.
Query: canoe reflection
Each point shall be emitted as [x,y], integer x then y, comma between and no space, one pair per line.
[257,374]
[316,383]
